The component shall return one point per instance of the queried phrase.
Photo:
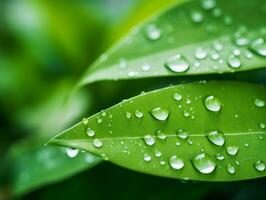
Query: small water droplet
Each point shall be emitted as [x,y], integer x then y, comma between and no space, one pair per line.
[97,143]
[259,103]
[262,125]
[161,135]
[212,103]
[176,163]
[182,134]
[200,54]
[259,47]
[196,16]
[153,32]
[177,63]
[99,120]
[85,121]
[177,96]
[208,4]
[217,46]
[146,67]
[234,61]
[149,140]
[139,114]
[72,153]
[217,12]
[260,166]
[230,169]
[160,114]
[241,41]
[216,137]
[232,150]
[157,153]
[204,163]
[128,115]
[90,132]
[219,156]
[132,74]
[147,157]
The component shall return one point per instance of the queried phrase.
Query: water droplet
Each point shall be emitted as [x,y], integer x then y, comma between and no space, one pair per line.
[182,134]
[208,4]
[196,16]
[241,41]
[132,74]
[227,20]
[90,132]
[146,67]
[200,53]
[99,120]
[85,121]
[153,32]
[177,96]
[161,135]
[259,103]
[177,63]
[232,150]
[176,163]
[262,125]
[122,63]
[186,113]
[217,46]
[177,143]
[260,166]
[234,61]
[128,115]
[147,157]
[219,156]
[160,114]
[97,143]
[230,169]
[217,12]
[216,137]
[236,52]
[212,103]
[157,153]
[149,140]
[259,47]
[204,163]
[72,153]
[215,56]
[138,114]
[162,162]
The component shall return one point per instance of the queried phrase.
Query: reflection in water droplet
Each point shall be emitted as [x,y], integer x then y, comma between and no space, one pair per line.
[232,150]
[177,63]
[149,140]
[160,114]
[204,163]
[90,132]
[216,137]
[259,103]
[72,153]
[212,103]
[234,61]
[176,163]
[153,32]
[259,47]
[230,169]
[97,143]
[260,166]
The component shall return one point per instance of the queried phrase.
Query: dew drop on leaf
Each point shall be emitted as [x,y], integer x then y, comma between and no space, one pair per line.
[177,96]
[216,137]
[138,114]
[147,157]
[149,140]
[232,150]
[128,115]
[200,53]
[160,114]
[212,103]
[153,32]
[177,63]
[161,135]
[90,132]
[233,61]
[97,143]
[72,153]
[260,166]
[262,125]
[230,169]
[182,134]
[176,163]
[259,47]
[208,4]
[204,163]
[157,153]
[196,16]
[219,156]
[259,103]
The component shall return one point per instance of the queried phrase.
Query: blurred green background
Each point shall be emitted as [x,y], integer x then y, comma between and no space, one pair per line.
[45,46]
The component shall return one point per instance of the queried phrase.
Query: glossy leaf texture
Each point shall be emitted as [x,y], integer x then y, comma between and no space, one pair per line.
[194,37]
[209,131]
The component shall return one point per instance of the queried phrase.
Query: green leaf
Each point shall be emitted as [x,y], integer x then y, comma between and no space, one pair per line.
[189,39]
[199,131]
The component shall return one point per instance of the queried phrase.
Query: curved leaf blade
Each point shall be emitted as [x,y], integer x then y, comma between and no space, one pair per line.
[222,32]
[128,134]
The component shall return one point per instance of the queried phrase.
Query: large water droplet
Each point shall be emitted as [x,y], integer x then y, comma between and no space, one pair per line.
[90,132]
[160,114]
[153,32]
[176,163]
[212,103]
[72,153]
[149,140]
[177,63]
[232,150]
[234,61]
[259,103]
[97,143]
[230,169]
[260,166]
[216,137]
[204,163]
[259,47]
